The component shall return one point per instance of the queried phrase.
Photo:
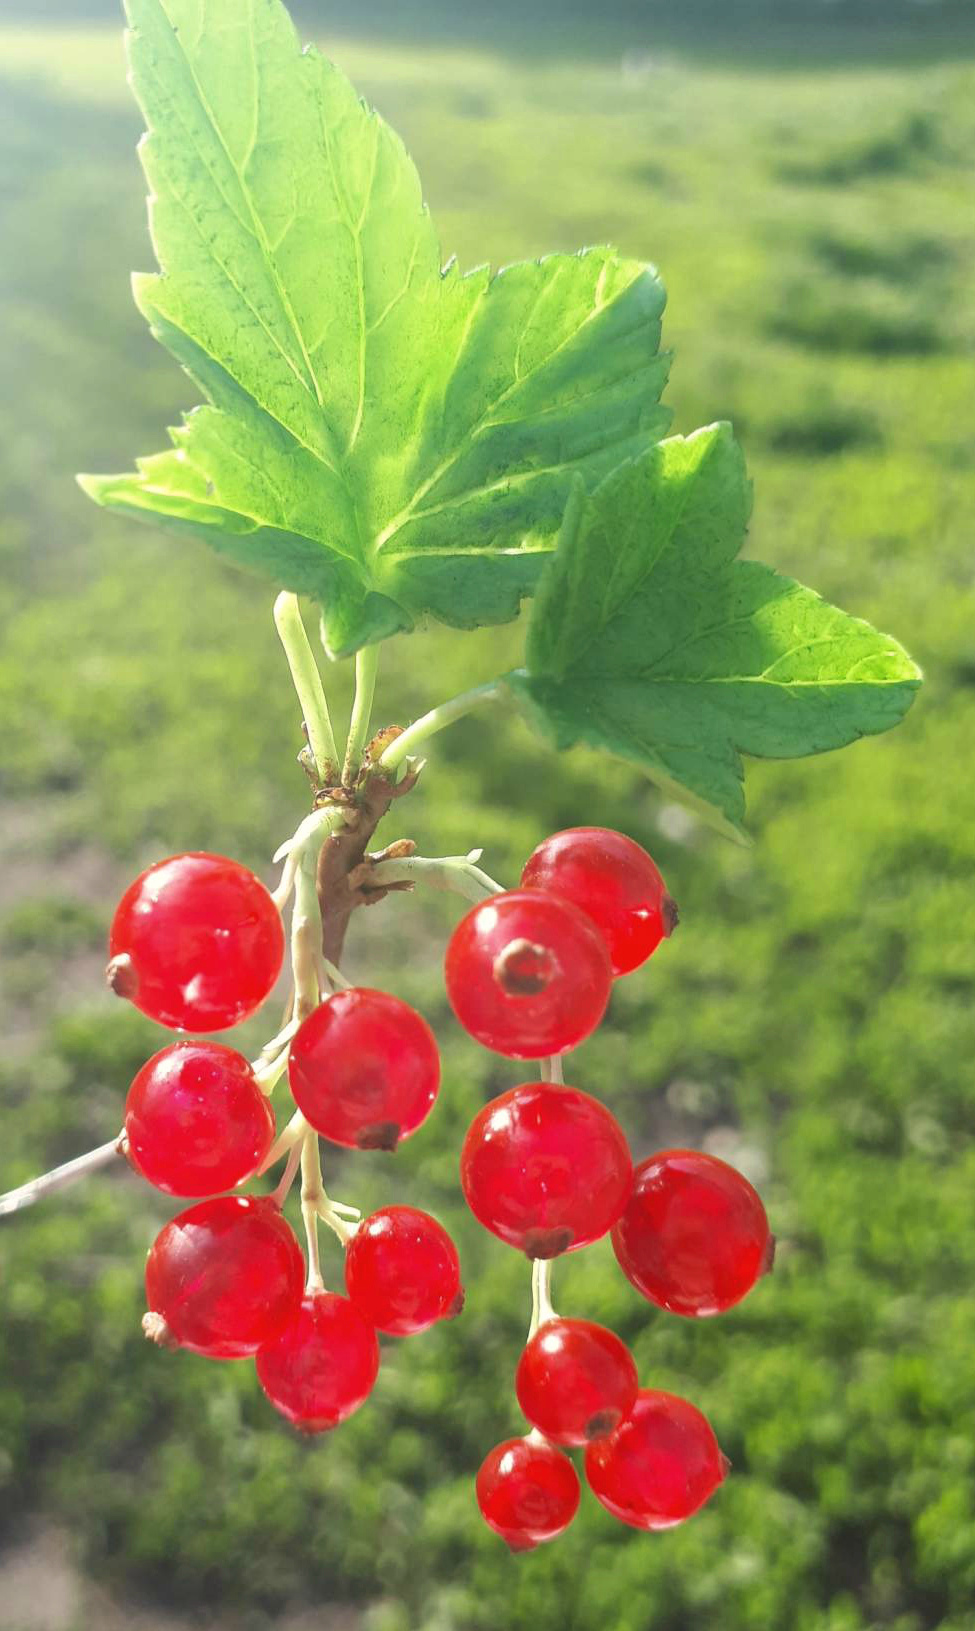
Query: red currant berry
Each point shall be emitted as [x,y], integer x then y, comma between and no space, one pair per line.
[576,1381]
[546,1168]
[527,974]
[402,1271]
[364,1069]
[660,1466]
[527,1492]
[224,1277]
[196,1121]
[612,880]
[322,1366]
[694,1237]
[196,943]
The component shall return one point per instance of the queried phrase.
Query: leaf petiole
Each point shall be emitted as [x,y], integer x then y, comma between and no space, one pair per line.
[366,666]
[428,724]
[308,684]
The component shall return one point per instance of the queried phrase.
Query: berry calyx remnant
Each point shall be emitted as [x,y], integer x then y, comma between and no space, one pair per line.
[528,974]
[546,1168]
[402,1271]
[364,1069]
[528,1492]
[322,1366]
[614,881]
[225,1276]
[660,1466]
[576,1381]
[196,1121]
[196,943]
[694,1237]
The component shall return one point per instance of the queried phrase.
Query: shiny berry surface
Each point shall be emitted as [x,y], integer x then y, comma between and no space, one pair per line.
[225,1276]
[196,943]
[614,881]
[547,1169]
[694,1237]
[322,1366]
[527,1492]
[196,1121]
[402,1271]
[576,1381]
[660,1466]
[527,974]
[364,1069]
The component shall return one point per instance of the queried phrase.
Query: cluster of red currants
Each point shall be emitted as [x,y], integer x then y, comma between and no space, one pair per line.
[197,943]
[547,1169]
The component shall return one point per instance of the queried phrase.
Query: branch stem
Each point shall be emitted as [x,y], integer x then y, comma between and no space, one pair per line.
[542,1308]
[456,874]
[366,666]
[312,1194]
[60,1177]
[428,724]
[308,684]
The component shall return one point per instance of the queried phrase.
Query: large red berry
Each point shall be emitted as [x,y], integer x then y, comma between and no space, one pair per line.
[402,1271]
[196,1121]
[527,1492]
[364,1069]
[323,1364]
[225,1277]
[660,1466]
[694,1237]
[614,882]
[528,974]
[196,943]
[576,1381]
[546,1168]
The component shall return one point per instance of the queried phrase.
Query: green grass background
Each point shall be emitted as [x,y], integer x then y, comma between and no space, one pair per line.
[808,198]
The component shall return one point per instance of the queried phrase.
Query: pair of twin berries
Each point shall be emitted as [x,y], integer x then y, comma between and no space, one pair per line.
[197,943]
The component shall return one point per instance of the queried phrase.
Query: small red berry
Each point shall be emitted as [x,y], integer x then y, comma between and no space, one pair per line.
[224,1277]
[196,943]
[322,1366]
[576,1381]
[527,974]
[547,1169]
[614,881]
[694,1237]
[527,1492]
[402,1271]
[196,1121]
[364,1069]
[660,1466]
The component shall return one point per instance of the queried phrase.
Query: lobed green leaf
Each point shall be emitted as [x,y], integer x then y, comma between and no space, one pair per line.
[395,439]
[648,637]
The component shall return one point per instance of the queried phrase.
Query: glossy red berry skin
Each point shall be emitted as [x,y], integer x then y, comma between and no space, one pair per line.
[196,943]
[364,1069]
[225,1276]
[547,1169]
[660,1466]
[694,1237]
[527,1492]
[527,974]
[196,1121]
[576,1381]
[322,1366]
[614,881]
[402,1271]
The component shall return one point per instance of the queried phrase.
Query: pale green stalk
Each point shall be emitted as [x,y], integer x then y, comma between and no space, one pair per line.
[366,666]
[308,684]
[428,724]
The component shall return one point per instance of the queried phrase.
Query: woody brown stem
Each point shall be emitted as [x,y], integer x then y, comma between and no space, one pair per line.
[344,864]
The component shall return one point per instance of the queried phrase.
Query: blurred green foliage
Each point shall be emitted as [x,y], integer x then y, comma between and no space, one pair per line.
[814,1018]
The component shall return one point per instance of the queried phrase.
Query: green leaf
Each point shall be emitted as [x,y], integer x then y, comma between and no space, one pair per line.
[649,638]
[395,439]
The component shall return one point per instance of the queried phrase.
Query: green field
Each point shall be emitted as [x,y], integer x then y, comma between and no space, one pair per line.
[813,218]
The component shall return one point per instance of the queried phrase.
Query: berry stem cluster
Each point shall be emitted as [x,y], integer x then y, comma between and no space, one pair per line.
[197,943]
